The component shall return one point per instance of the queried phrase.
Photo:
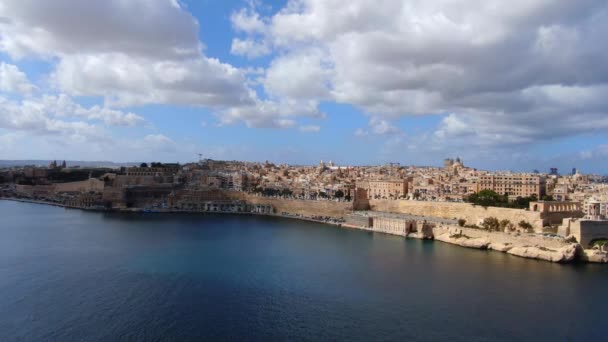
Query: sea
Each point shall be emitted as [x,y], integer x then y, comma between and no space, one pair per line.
[73,275]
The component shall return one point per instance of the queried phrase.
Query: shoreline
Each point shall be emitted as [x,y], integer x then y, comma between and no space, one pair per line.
[525,246]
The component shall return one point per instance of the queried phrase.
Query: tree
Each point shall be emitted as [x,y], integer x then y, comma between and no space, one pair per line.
[506,225]
[526,226]
[286,192]
[486,198]
[143,165]
[339,194]
[461,222]
[491,224]
[547,198]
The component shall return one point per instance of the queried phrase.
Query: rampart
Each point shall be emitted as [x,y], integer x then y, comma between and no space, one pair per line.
[302,207]
[585,231]
[83,186]
[451,210]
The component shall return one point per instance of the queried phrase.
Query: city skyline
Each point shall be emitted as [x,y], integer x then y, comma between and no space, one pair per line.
[115,164]
[516,86]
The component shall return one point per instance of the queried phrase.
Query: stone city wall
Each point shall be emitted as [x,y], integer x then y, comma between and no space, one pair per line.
[83,186]
[35,190]
[52,189]
[451,210]
[585,231]
[302,207]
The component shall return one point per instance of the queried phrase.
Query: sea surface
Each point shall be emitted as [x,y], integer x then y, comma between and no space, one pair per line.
[70,275]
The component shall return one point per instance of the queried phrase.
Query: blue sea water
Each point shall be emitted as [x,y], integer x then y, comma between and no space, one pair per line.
[70,275]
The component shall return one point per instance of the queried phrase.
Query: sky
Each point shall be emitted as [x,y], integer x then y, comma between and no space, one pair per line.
[518,85]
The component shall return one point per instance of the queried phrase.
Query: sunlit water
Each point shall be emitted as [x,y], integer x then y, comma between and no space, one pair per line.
[70,275]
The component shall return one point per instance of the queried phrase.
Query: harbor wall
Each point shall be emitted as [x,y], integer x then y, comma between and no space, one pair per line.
[453,210]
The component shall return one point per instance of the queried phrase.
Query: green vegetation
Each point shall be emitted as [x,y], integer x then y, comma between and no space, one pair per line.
[489,198]
[599,242]
[461,222]
[526,226]
[506,225]
[491,224]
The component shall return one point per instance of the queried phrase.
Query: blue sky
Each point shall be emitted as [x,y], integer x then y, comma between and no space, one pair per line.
[518,86]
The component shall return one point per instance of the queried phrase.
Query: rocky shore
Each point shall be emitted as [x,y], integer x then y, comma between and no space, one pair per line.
[529,246]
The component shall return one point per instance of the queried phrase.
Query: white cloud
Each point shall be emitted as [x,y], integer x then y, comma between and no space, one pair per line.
[270,114]
[248,21]
[158,142]
[310,128]
[13,80]
[382,127]
[300,75]
[126,80]
[98,49]
[360,132]
[59,115]
[102,51]
[249,47]
[162,29]
[509,72]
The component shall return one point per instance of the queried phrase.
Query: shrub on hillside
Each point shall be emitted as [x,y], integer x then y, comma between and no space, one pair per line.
[526,226]
[491,224]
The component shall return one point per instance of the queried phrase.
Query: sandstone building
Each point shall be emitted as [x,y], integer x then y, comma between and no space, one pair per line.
[384,189]
[514,185]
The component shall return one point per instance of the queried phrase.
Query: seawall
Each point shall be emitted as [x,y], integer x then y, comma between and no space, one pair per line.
[453,210]
[300,207]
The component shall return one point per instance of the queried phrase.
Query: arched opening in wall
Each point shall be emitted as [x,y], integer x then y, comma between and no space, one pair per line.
[600,243]
[410,227]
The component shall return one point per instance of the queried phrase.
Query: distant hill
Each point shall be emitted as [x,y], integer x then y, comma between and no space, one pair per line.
[70,163]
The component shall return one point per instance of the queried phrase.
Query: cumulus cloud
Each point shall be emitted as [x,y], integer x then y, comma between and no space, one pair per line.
[102,51]
[13,80]
[310,128]
[508,72]
[60,115]
[161,29]
[271,114]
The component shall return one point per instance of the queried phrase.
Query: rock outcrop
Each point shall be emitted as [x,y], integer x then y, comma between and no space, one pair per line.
[594,255]
[564,254]
[461,240]
[500,247]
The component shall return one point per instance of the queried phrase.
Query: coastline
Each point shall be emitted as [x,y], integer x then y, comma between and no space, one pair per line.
[522,245]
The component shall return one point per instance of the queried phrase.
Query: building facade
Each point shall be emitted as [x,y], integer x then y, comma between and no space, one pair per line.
[384,189]
[514,185]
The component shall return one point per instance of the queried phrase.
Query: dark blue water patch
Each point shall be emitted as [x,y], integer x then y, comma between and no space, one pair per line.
[69,275]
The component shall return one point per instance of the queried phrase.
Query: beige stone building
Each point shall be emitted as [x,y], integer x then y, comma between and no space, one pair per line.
[384,189]
[514,185]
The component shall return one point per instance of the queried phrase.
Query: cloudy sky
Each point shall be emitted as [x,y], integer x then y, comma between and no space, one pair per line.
[520,84]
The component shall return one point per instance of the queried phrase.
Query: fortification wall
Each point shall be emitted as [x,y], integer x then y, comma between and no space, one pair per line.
[82,186]
[301,207]
[35,190]
[586,231]
[450,210]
